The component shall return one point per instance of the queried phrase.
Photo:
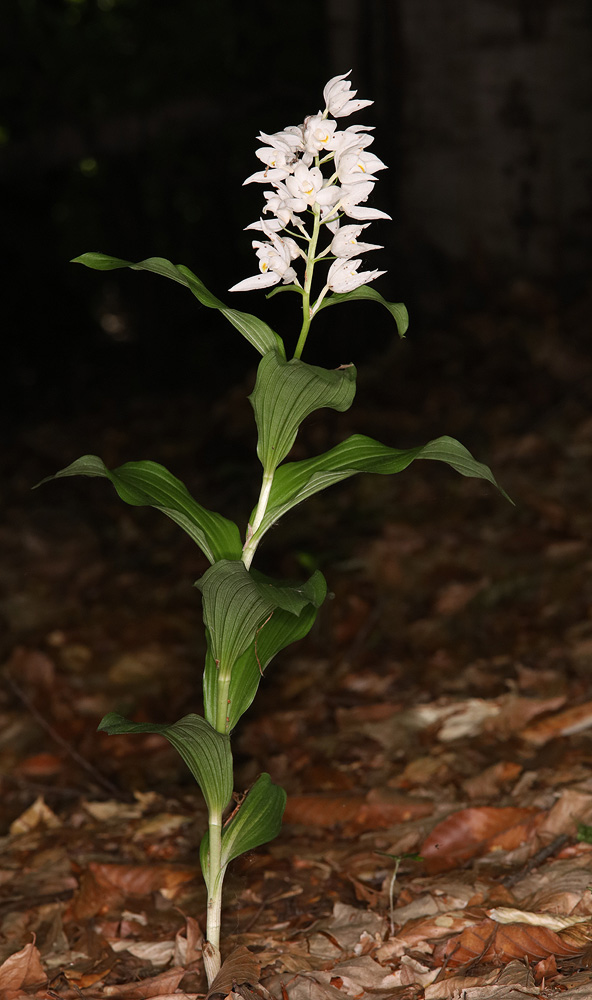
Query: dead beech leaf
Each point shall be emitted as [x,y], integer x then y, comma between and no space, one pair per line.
[488,942]
[188,943]
[141,880]
[517,711]
[323,810]
[488,783]
[40,765]
[416,933]
[38,814]
[572,807]
[105,886]
[22,969]
[552,921]
[378,809]
[471,832]
[154,988]
[572,720]
[545,969]
[155,952]
[240,967]
[454,597]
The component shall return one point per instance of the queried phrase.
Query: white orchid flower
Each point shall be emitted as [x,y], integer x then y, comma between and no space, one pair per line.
[345,242]
[327,197]
[357,166]
[304,185]
[354,137]
[290,138]
[319,134]
[280,204]
[339,97]
[342,276]
[349,202]
[274,264]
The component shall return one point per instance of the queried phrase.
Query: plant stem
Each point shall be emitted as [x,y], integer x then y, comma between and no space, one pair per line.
[214,880]
[392,896]
[222,689]
[310,263]
[251,544]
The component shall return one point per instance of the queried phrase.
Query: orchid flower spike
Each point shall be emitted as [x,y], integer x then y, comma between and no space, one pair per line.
[316,172]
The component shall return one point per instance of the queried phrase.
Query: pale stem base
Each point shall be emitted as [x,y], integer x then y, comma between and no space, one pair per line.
[214,881]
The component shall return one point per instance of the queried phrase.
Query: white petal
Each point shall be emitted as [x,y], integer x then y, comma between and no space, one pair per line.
[361,213]
[263,280]
[269,176]
[350,107]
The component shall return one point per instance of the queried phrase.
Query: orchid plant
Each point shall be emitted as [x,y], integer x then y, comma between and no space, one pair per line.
[317,176]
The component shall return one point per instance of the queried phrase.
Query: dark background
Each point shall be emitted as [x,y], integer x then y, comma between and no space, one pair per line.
[128,126]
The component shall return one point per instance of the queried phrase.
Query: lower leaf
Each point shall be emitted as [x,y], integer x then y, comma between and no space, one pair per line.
[257,820]
[205,751]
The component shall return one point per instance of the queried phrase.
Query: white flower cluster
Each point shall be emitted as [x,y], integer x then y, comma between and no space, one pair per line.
[293,160]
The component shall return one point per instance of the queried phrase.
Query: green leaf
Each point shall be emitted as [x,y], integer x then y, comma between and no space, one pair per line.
[397,310]
[148,484]
[288,391]
[257,820]
[296,481]
[258,333]
[205,751]
[280,630]
[233,609]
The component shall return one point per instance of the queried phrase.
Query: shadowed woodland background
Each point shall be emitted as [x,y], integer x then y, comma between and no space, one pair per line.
[127,126]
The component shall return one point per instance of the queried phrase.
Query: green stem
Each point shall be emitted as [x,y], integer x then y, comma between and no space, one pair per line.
[214,881]
[222,689]
[250,546]
[310,263]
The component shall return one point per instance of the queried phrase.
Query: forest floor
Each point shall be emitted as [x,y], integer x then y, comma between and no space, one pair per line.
[436,725]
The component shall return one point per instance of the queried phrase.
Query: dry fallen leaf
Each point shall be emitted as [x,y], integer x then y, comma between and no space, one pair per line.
[22,969]
[380,808]
[490,942]
[104,886]
[472,832]
[38,814]
[573,720]
[240,967]
[153,988]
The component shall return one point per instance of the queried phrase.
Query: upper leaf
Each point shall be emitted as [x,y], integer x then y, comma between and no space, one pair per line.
[205,751]
[397,310]
[288,391]
[296,481]
[148,484]
[258,333]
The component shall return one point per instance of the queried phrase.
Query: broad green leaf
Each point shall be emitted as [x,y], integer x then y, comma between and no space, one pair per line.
[258,333]
[255,822]
[296,481]
[148,484]
[397,310]
[236,606]
[233,609]
[279,631]
[288,391]
[205,751]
